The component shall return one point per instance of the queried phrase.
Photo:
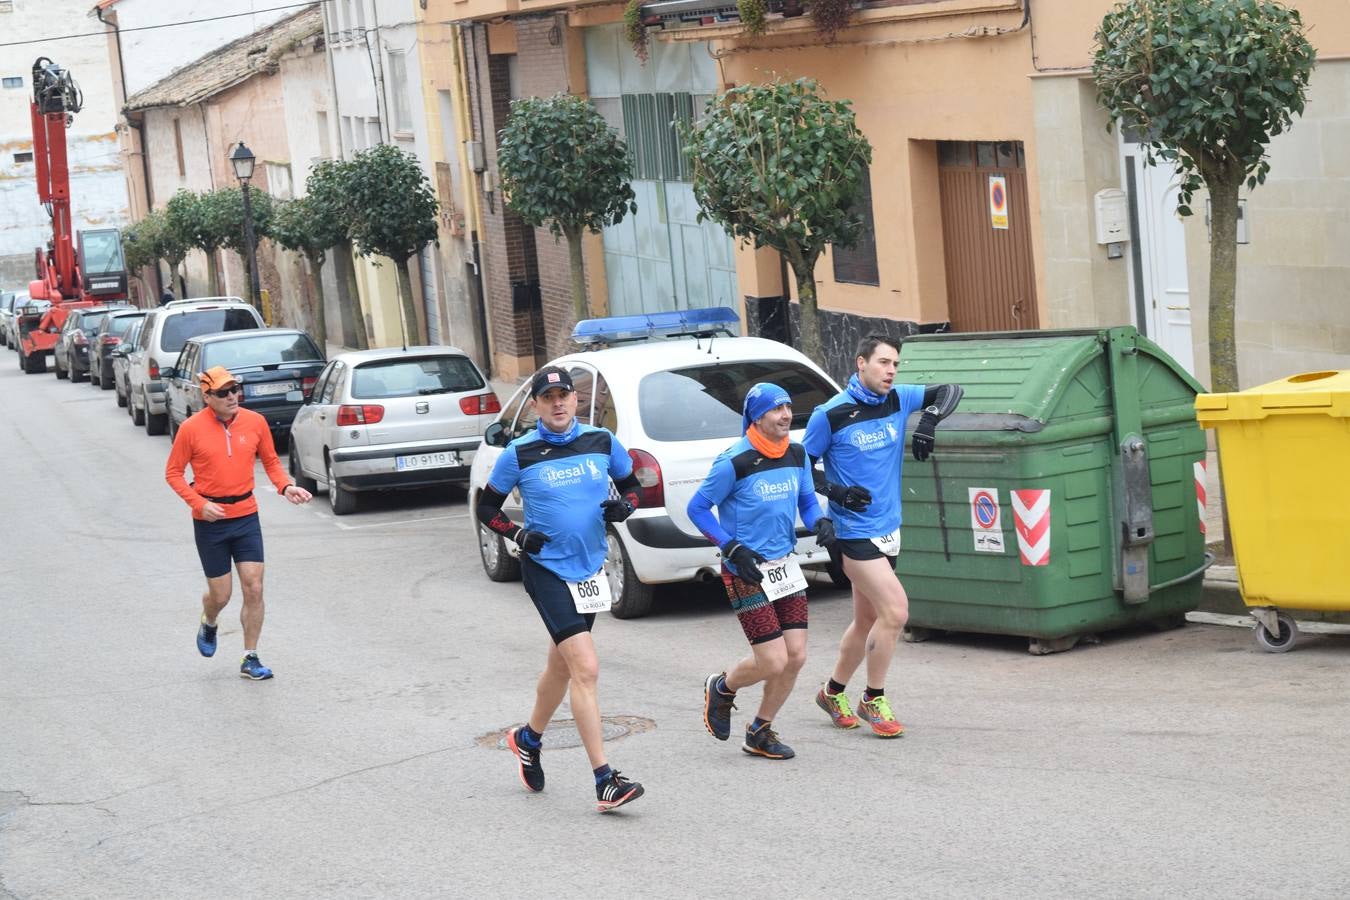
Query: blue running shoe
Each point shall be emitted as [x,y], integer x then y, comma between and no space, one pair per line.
[251,667]
[717,708]
[206,638]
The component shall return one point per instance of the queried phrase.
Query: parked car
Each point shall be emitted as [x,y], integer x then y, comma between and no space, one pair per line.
[390,419]
[674,400]
[278,368]
[70,356]
[10,301]
[121,360]
[24,319]
[111,330]
[166,330]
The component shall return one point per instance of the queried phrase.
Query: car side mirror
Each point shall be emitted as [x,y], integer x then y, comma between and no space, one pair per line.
[495,435]
[168,372]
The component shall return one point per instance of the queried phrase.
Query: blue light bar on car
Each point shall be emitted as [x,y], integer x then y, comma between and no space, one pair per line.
[612,329]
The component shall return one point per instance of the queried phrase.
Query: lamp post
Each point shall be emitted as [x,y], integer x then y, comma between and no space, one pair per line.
[242,159]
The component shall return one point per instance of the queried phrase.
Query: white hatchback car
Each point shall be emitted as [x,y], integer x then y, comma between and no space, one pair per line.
[390,419]
[671,388]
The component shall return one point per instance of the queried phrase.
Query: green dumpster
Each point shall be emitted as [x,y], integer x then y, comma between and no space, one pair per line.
[1065,496]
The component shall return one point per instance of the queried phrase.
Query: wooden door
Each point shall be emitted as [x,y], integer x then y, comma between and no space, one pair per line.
[991,280]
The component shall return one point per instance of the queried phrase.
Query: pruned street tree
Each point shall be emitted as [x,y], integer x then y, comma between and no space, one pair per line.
[563,167]
[185,216]
[326,194]
[779,165]
[392,213]
[223,216]
[298,226]
[1207,85]
[153,239]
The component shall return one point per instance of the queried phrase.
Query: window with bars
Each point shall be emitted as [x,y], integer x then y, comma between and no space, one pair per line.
[858,264]
[649,127]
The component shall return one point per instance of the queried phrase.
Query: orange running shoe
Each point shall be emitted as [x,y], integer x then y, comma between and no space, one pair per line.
[837,707]
[877,712]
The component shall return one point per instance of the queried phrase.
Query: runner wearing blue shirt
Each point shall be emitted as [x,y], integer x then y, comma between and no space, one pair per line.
[563,471]
[759,486]
[859,434]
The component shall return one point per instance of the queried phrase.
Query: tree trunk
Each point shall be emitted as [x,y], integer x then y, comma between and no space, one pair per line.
[213,273]
[318,316]
[416,333]
[353,322]
[580,307]
[804,268]
[1223,195]
[408,312]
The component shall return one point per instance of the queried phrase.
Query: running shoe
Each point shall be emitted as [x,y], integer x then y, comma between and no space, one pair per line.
[765,743]
[531,770]
[837,706]
[877,712]
[252,668]
[206,638]
[717,708]
[615,790]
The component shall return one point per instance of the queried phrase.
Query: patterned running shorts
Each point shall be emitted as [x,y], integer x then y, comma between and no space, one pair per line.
[761,619]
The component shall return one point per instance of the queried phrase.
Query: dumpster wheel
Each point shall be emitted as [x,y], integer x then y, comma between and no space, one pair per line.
[1282,642]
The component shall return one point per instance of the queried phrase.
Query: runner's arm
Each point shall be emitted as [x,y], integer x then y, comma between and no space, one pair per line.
[267,452]
[807,504]
[714,489]
[490,513]
[851,497]
[179,457]
[943,398]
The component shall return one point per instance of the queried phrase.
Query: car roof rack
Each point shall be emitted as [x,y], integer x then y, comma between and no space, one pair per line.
[188,301]
[704,322]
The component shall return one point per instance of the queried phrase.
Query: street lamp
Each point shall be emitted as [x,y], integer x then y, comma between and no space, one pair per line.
[242,159]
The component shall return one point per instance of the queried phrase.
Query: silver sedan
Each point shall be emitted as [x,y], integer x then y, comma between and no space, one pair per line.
[390,419]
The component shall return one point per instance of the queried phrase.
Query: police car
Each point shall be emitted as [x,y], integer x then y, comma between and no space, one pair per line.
[670,386]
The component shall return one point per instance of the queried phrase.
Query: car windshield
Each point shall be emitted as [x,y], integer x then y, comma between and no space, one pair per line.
[704,402]
[178,328]
[259,350]
[122,324]
[90,321]
[102,253]
[414,377]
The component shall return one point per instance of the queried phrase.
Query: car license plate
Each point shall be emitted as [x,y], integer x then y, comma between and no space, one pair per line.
[442,460]
[275,387]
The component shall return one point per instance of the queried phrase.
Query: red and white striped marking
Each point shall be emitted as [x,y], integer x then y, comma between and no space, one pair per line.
[1031,519]
[1200,492]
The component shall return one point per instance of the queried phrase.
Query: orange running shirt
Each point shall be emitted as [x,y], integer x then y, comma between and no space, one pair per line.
[222,459]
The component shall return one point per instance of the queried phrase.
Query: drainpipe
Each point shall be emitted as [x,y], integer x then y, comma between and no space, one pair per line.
[378,60]
[140,134]
[464,126]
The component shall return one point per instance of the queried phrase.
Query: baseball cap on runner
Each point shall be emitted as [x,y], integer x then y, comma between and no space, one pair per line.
[760,399]
[217,377]
[550,377]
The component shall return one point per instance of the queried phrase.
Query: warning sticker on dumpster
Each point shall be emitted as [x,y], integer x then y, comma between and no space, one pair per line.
[985,521]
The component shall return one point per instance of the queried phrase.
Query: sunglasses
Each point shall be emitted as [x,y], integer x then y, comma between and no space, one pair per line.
[225,392]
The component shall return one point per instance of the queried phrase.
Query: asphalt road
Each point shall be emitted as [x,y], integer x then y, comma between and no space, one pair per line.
[1182,764]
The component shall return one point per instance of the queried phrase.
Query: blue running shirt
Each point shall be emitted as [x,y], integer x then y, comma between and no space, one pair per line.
[864,445]
[757,499]
[562,487]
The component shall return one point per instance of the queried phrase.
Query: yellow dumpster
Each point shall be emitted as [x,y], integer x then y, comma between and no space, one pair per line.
[1285,452]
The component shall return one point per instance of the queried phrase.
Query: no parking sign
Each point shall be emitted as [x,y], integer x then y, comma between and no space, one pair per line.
[998,202]
[985,520]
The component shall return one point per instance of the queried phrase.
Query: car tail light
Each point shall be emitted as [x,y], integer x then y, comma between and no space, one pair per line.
[154,369]
[109,340]
[79,338]
[307,384]
[367,414]
[648,472]
[480,404]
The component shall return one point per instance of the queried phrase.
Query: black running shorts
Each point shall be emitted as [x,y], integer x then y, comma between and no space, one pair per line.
[553,600]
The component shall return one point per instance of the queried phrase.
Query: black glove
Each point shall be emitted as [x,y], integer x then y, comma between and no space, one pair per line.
[531,541]
[825,533]
[923,436]
[616,510]
[852,497]
[744,561]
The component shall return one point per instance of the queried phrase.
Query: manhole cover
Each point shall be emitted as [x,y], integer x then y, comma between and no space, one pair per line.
[562,733]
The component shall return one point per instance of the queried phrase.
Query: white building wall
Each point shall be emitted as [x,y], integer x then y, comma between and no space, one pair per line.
[180,37]
[98,190]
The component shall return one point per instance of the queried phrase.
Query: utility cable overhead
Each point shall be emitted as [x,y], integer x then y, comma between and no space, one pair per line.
[252,12]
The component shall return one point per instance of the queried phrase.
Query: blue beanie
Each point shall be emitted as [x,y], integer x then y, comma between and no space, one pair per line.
[762,398]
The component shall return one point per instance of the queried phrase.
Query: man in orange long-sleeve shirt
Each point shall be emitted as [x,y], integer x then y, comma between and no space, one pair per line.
[221,443]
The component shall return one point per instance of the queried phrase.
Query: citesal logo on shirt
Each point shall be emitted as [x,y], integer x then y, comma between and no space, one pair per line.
[562,476]
[874,440]
[775,490]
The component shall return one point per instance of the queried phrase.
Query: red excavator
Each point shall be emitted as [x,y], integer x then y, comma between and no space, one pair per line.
[74,270]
